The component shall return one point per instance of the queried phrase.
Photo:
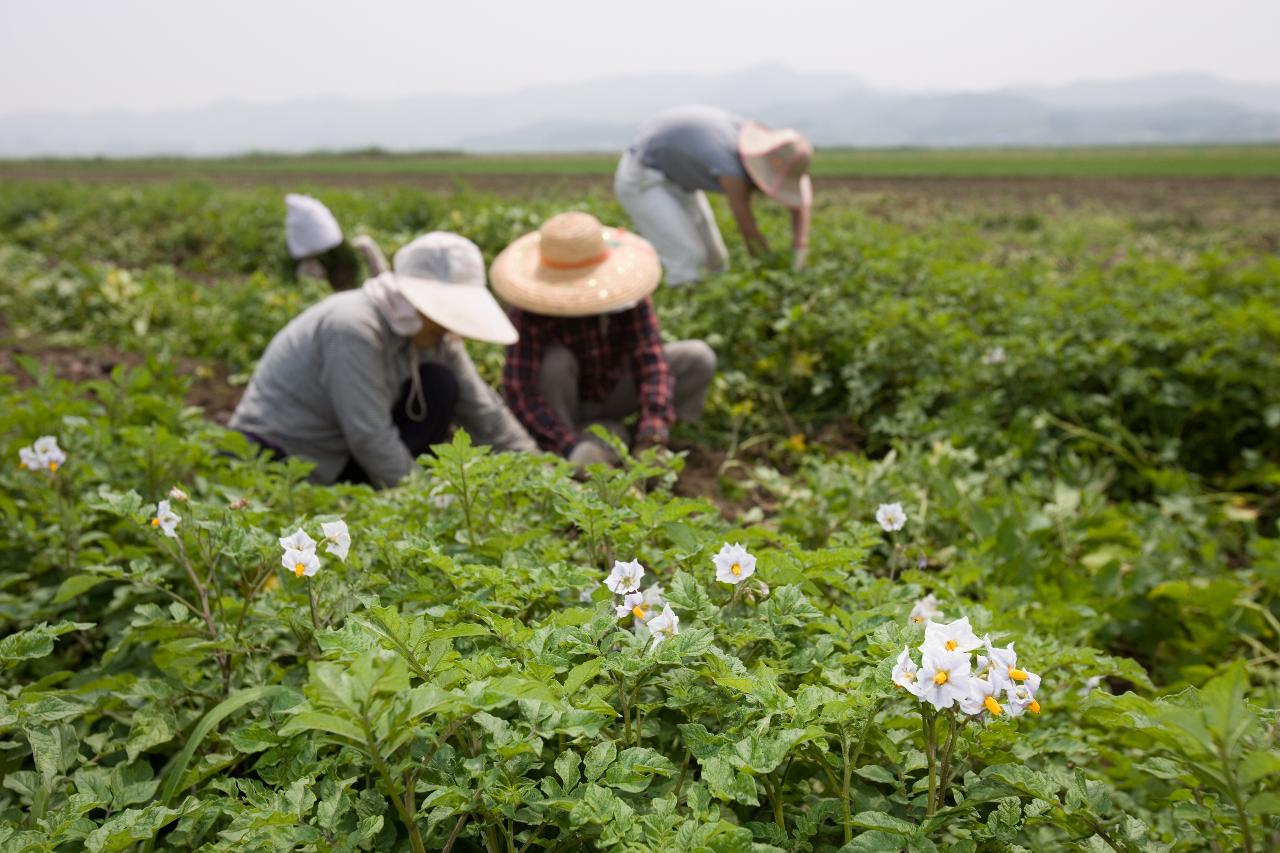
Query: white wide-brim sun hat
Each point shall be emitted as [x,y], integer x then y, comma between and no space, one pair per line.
[778,162]
[442,275]
[310,228]
[575,267]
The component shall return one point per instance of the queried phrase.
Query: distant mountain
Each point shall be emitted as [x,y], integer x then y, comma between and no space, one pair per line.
[1160,89]
[834,109]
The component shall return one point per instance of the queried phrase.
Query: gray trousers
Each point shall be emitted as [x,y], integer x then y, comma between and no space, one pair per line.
[692,363]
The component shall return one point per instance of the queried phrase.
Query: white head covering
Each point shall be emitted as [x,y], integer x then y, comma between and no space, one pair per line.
[310,228]
[442,275]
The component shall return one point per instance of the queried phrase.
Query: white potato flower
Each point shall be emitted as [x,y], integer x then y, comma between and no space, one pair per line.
[924,610]
[43,454]
[633,605]
[954,636]
[664,626]
[1003,666]
[299,541]
[176,494]
[734,564]
[625,577]
[651,602]
[51,455]
[981,697]
[337,538]
[905,673]
[891,517]
[166,520]
[29,459]
[301,563]
[995,355]
[944,677]
[1021,697]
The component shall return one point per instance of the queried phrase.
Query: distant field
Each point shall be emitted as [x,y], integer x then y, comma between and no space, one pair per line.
[1144,162]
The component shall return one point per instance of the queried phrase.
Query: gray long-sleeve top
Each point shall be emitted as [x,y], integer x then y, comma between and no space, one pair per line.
[324,389]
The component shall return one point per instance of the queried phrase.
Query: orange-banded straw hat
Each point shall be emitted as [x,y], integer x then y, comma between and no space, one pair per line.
[778,162]
[575,267]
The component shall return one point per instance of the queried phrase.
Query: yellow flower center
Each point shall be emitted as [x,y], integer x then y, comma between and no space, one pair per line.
[1017,674]
[941,677]
[1034,707]
[993,706]
[917,619]
[638,610]
[22,465]
[736,568]
[299,569]
[53,466]
[155,522]
[951,645]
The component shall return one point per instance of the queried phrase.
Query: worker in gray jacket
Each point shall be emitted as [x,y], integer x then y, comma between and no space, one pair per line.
[366,380]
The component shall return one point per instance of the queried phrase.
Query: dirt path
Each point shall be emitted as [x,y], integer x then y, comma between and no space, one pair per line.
[1179,193]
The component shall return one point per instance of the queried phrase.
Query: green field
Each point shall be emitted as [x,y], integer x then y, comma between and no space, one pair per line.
[1075,406]
[1139,162]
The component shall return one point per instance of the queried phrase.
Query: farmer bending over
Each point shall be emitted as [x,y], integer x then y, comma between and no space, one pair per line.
[318,248]
[366,380]
[589,350]
[681,155]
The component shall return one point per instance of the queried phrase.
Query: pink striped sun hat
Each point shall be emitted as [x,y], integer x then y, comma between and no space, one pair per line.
[778,162]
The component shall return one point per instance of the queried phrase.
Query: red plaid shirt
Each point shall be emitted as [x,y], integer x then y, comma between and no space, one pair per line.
[607,346]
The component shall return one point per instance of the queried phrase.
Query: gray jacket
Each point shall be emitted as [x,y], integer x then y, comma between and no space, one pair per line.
[326,384]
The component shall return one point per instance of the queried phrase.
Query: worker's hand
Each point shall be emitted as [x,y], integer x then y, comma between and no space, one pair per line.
[590,452]
[645,442]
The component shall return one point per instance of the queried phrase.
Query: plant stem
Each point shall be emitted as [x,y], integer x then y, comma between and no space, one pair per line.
[532,838]
[315,614]
[1233,790]
[457,828]
[953,729]
[775,797]
[684,769]
[203,593]
[406,818]
[931,752]
[248,601]
[1214,846]
[626,713]
[847,771]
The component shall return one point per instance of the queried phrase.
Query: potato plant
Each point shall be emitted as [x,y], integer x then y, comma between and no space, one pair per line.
[1050,435]
[462,678]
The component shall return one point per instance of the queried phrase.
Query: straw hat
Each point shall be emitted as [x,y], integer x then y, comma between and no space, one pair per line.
[575,267]
[310,228]
[442,275]
[778,162]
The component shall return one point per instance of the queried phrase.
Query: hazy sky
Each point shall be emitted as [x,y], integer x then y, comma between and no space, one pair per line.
[84,55]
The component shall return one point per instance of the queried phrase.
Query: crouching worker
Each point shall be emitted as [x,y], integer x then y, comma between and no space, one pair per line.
[589,350]
[319,249]
[366,380]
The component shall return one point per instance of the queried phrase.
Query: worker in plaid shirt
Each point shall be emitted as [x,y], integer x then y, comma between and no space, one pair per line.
[575,365]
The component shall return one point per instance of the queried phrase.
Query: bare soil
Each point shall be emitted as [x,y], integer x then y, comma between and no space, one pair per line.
[209,388]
